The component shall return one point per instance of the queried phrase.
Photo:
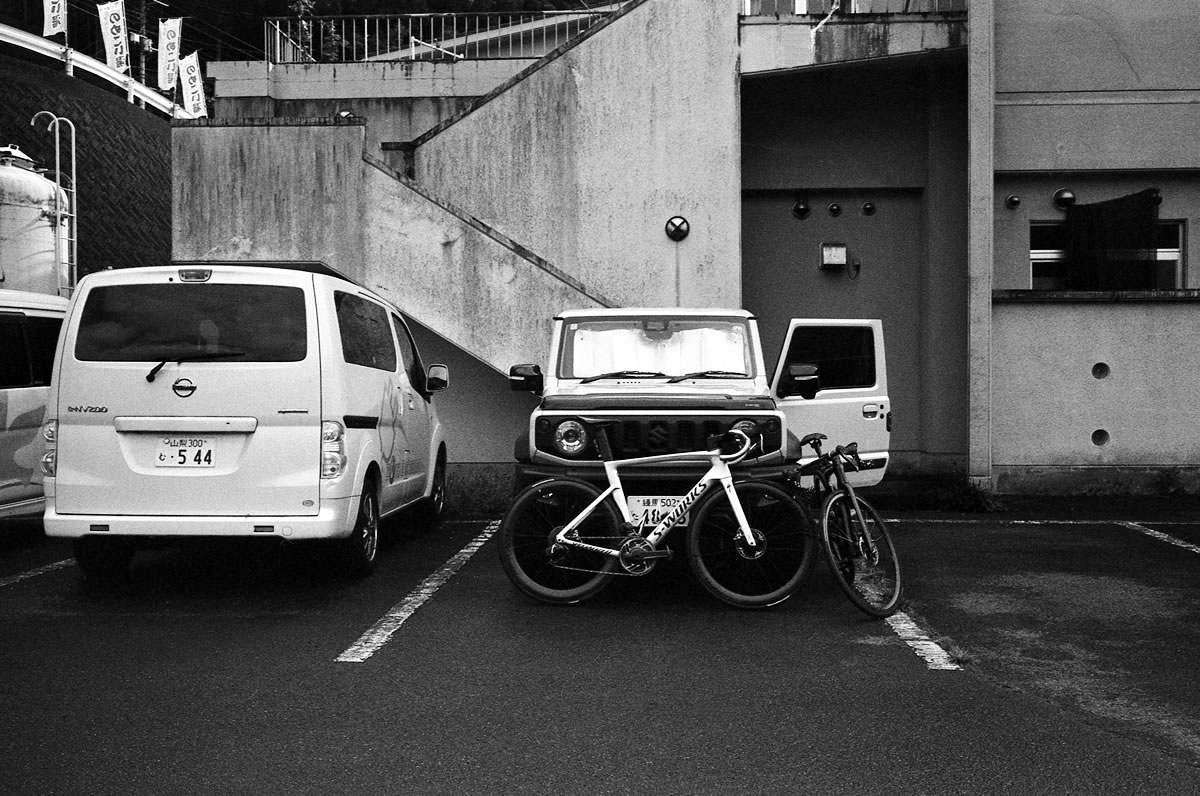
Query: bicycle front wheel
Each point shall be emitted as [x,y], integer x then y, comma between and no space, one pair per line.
[868,572]
[550,571]
[751,576]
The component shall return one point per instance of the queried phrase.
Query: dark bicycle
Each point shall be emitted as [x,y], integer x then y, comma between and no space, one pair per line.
[854,537]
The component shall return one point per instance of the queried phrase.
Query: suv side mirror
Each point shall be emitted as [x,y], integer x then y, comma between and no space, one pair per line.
[526,378]
[438,378]
[800,379]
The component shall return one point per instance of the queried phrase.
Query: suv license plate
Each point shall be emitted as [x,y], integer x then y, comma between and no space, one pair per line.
[184,452]
[648,510]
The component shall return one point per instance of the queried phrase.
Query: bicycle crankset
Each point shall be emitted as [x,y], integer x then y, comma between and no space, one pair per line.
[638,556]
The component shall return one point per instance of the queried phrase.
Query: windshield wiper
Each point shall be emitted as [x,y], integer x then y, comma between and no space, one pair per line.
[233,352]
[709,374]
[627,374]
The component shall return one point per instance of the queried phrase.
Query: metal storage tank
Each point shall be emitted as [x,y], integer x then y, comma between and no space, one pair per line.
[29,259]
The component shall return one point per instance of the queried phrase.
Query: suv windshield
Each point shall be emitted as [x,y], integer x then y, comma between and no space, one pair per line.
[656,348]
[139,323]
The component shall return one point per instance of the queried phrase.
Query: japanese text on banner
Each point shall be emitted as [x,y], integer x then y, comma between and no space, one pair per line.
[54,19]
[193,85]
[168,52]
[116,35]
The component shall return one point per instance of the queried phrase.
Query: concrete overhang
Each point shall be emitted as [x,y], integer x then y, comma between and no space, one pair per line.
[770,45]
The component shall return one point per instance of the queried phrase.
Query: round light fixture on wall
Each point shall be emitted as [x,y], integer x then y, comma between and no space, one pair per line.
[677,228]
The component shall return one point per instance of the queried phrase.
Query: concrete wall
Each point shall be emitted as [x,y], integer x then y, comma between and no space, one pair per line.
[1100,98]
[400,100]
[1049,401]
[894,137]
[586,158]
[1104,84]
[770,44]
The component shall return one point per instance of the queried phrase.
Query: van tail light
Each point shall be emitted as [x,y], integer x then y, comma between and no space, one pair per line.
[49,462]
[333,449]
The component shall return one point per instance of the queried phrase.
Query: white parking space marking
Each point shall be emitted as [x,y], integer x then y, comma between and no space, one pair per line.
[926,648]
[1160,536]
[379,633]
[33,573]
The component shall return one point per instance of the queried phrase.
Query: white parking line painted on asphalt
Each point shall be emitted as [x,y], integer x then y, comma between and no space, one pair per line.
[379,633]
[1160,536]
[926,648]
[33,573]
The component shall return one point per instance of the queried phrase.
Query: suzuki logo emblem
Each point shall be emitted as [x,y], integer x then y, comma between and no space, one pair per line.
[183,387]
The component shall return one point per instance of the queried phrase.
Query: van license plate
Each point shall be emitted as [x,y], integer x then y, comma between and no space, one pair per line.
[185,452]
[648,510]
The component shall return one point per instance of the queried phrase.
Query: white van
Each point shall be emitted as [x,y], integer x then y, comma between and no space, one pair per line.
[236,400]
[29,327]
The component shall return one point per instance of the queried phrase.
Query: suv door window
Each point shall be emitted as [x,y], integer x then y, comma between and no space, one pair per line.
[366,333]
[14,356]
[844,355]
[408,355]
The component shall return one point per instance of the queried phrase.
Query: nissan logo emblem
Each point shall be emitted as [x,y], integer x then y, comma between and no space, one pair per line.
[183,387]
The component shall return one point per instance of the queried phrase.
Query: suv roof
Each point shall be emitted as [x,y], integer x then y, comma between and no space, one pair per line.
[625,312]
[308,266]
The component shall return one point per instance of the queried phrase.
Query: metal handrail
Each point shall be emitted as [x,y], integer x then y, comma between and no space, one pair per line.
[414,37]
[134,91]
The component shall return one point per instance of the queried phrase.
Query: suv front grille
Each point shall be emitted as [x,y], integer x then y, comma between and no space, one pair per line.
[653,436]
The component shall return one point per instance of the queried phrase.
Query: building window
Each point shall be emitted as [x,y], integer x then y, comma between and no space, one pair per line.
[1159,267]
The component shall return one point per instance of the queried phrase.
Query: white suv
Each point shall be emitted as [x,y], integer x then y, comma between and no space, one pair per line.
[236,400]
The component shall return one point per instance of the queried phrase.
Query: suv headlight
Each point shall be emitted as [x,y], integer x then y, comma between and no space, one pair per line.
[333,449]
[570,438]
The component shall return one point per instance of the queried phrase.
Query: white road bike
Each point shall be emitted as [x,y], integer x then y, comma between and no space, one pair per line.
[749,544]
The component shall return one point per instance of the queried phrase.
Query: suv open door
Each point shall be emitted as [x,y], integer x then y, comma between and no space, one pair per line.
[832,378]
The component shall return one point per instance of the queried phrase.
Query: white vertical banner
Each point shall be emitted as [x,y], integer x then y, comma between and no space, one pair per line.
[54,18]
[168,52]
[115,34]
[193,85]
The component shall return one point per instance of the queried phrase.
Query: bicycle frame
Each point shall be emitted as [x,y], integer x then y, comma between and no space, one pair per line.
[718,472]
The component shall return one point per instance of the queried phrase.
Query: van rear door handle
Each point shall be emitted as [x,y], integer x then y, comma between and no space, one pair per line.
[870,410]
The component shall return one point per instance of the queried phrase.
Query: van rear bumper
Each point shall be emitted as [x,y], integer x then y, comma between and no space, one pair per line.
[335,520]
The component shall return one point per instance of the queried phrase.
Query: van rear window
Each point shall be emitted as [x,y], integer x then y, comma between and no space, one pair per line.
[142,323]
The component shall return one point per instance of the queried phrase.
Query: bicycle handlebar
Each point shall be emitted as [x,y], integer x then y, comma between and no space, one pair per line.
[746,444]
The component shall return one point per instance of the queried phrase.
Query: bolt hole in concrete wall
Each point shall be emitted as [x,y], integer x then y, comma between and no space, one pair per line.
[1101,370]
[1100,437]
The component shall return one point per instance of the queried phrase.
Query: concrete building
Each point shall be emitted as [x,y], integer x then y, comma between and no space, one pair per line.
[942,144]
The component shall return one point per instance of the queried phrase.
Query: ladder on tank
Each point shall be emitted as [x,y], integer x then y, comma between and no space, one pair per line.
[66,249]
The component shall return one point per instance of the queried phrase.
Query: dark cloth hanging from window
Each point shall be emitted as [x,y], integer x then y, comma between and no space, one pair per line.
[1110,245]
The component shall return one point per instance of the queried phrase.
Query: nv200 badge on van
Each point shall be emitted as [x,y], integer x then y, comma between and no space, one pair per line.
[236,399]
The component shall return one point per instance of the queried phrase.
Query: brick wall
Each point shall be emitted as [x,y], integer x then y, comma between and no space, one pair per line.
[123,161]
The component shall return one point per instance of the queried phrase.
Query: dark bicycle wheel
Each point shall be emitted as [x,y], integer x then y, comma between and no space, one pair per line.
[871,580]
[751,576]
[550,571]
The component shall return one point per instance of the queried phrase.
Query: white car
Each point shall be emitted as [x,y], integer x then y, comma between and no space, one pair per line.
[236,400]
[29,327]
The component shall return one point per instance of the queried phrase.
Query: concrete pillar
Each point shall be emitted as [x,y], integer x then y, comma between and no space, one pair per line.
[981,93]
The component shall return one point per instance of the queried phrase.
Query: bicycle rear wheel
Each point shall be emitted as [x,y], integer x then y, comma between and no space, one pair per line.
[757,576]
[548,571]
[872,582]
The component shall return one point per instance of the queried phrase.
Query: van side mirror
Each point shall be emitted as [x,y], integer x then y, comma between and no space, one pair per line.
[800,379]
[438,378]
[526,378]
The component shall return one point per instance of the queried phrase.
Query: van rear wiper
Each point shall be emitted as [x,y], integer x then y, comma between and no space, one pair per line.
[626,374]
[233,352]
[709,374]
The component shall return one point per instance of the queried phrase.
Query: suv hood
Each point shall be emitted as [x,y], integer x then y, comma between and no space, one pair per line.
[659,401]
